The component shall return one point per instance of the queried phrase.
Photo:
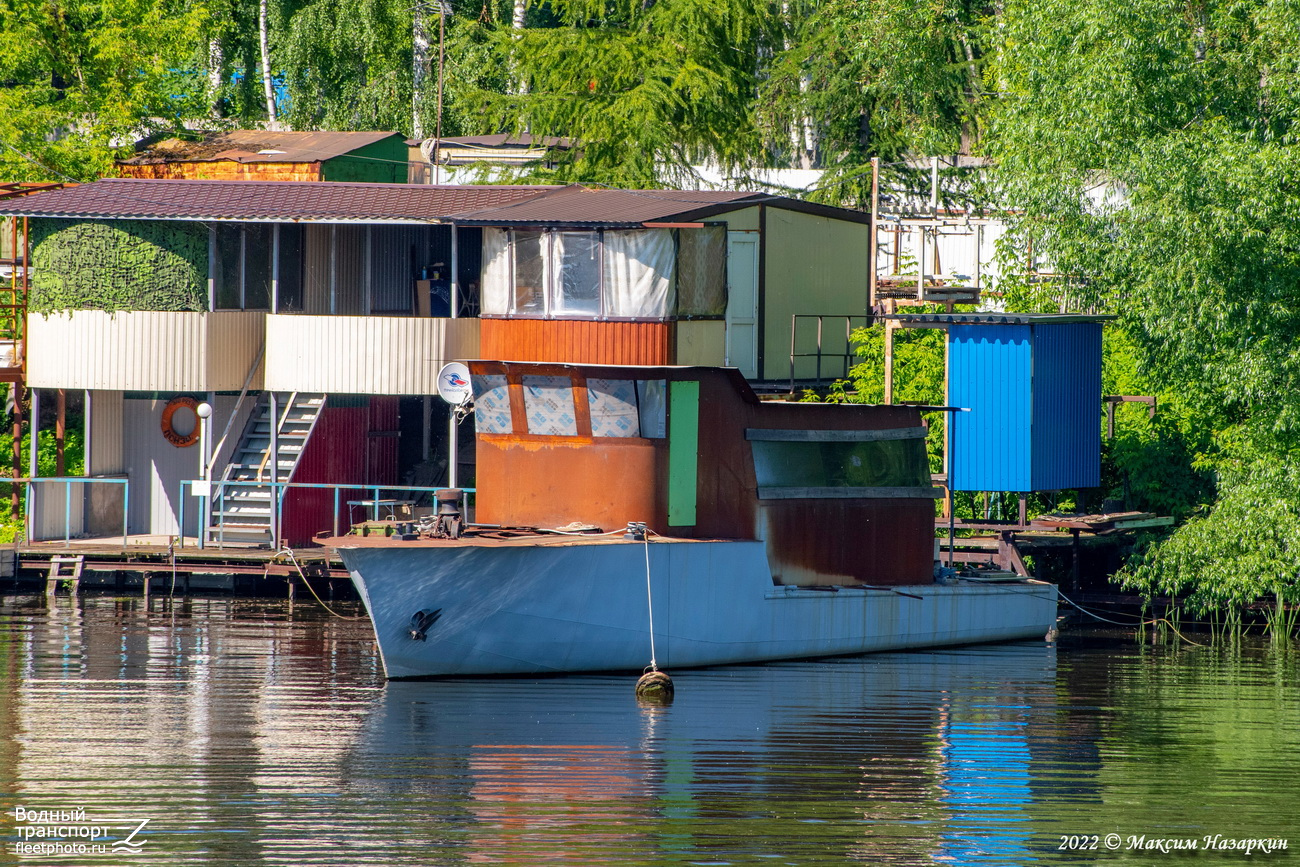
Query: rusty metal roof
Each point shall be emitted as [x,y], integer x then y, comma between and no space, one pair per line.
[269,201]
[256,146]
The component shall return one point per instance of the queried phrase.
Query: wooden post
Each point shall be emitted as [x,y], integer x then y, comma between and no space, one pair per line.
[875,223]
[60,430]
[890,325]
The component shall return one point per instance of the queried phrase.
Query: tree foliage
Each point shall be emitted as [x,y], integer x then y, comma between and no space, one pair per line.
[644,89]
[81,78]
[1153,148]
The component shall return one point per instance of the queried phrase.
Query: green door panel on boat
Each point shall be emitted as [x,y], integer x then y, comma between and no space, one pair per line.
[683,451]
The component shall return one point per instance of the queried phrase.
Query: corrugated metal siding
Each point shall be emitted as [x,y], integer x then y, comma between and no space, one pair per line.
[350,270]
[316,269]
[233,342]
[155,467]
[341,451]
[104,445]
[143,350]
[702,342]
[813,265]
[52,515]
[577,341]
[396,252]
[989,372]
[1067,406]
[364,354]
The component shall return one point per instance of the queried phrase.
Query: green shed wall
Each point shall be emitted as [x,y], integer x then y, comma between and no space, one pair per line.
[813,265]
[381,162]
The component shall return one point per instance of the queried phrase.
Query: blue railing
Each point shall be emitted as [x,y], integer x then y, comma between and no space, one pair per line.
[375,501]
[68,482]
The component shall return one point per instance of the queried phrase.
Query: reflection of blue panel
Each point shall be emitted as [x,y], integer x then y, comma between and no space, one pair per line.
[1067,406]
[985,774]
[989,372]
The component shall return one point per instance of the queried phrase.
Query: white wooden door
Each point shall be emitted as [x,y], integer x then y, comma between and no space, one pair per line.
[742,302]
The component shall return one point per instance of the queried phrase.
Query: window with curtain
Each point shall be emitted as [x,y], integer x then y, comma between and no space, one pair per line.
[624,273]
[702,272]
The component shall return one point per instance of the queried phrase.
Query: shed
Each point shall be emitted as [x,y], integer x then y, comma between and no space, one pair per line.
[1032,386]
[269,155]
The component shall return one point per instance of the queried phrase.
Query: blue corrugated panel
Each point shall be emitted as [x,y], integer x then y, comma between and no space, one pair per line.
[1067,406]
[989,370]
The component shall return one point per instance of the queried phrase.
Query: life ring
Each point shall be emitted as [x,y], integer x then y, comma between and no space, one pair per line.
[178,440]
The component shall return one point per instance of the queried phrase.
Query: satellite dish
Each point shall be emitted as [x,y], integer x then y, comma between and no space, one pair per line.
[453,383]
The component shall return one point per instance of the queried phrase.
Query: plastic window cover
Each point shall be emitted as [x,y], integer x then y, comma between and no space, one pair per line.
[548,404]
[496,280]
[530,272]
[492,403]
[613,407]
[575,274]
[639,267]
[583,275]
[652,400]
[883,463]
[702,271]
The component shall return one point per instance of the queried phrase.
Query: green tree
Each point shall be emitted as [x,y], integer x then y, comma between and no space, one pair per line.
[645,89]
[81,79]
[1152,146]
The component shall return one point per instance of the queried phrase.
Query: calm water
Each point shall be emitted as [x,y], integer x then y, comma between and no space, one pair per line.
[252,733]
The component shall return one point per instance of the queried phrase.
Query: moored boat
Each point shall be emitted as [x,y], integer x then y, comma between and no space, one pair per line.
[772,531]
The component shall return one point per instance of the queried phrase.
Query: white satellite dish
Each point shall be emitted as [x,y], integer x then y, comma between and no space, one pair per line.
[453,383]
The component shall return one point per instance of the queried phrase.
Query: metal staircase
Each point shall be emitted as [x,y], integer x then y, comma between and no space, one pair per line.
[242,513]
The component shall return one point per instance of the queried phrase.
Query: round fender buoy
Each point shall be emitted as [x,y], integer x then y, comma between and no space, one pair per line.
[169,432]
[655,686]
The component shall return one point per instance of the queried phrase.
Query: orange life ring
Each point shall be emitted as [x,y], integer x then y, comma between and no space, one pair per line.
[169,432]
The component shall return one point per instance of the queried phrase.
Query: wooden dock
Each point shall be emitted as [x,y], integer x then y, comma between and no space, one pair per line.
[152,565]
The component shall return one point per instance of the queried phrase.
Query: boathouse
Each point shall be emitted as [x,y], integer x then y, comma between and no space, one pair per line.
[313,319]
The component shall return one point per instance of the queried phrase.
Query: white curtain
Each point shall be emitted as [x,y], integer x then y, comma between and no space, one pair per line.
[495,291]
[639,273]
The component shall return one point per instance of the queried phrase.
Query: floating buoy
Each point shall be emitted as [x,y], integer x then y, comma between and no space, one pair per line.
[655,686]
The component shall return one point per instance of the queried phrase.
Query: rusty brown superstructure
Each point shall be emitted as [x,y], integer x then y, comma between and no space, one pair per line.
[815,533]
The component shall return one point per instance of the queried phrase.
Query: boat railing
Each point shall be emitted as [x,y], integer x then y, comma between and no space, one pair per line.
[373,498]
[36,515]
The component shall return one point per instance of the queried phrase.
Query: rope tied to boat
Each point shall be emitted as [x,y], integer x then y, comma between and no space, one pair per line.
[286,550]
[654,686]
[649,601]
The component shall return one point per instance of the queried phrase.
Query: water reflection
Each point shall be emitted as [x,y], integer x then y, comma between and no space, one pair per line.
[254,734]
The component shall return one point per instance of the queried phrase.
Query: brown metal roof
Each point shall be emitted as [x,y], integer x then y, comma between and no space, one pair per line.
[598,206]
[579,205]
[286,201]
[248,145]
[274,201]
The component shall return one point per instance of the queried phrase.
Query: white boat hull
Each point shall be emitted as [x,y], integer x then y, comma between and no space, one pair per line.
[584,606]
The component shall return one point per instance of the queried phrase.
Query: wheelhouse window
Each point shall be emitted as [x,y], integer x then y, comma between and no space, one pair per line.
[627,408]
[604,274]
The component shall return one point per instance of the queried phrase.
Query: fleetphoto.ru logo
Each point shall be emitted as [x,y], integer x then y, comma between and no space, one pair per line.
[63,833]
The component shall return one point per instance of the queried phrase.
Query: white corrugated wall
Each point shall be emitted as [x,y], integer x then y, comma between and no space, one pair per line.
[364,354]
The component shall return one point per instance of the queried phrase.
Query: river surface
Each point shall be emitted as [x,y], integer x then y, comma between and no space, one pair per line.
[250,732]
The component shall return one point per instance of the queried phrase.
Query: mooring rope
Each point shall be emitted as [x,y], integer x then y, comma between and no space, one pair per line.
[303,575]
[649,601]
[1139,622]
